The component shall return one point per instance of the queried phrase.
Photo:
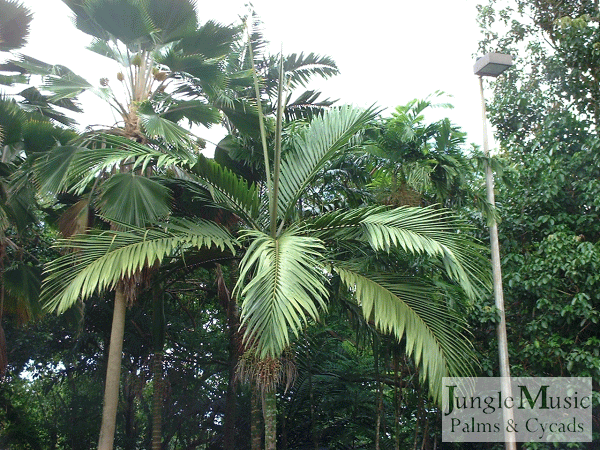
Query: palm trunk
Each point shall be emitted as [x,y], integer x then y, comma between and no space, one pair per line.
[313,427]
[157,401]
[113,373]
[379,395]
[397,399]
[270,415]
[233,324]
[255,428]
[158,342]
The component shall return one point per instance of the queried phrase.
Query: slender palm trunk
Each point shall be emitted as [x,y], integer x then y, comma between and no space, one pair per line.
[157,401]
[158,338]
[379,395]
[255,419]
[270,415]
[113,373]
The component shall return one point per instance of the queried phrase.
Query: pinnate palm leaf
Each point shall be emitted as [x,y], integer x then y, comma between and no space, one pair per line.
[101,259]
[285,288]
[228,190]
[324,137]
[434,335]
[432,232]
[300,68]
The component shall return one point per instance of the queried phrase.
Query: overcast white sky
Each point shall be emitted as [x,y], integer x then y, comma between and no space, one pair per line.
[389,52]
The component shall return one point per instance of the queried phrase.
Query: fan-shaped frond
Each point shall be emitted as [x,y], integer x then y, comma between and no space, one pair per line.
[74,167]
[324,137]
[15,19]
[173,18]
[156,126]
[281,285]
[125,20]
[434,335]
[101,259]
[134,199]
[212,40]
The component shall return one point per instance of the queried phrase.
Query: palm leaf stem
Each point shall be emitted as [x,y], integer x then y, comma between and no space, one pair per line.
[277,165]
[261,118]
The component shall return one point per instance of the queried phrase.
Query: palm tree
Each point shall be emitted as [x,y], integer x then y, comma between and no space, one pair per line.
[158,46]
[289,260]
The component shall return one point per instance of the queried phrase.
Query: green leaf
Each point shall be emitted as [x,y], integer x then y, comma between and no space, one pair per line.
[434,335]
[157,127]
[103,258]
[228,190]
[285,288]
[435,233]
[324,137]
[133,199]
[15,19]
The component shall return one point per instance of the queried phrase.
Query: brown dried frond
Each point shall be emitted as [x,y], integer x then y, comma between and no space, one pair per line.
[77,219]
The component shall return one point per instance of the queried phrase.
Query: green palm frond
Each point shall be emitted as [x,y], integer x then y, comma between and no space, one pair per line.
[212,40]
[281,285]
[110,50]
[340,225]
[22,284]
[228,190]
[172,18]
[434,233]
[300,68]
[324,137]
[126,20]
[99,260]
[133,199]
[157,127]
[15,19]
[74,167]
[197,112]
[434,335]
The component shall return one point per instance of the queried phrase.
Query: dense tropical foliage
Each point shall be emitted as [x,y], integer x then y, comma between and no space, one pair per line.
[310,284]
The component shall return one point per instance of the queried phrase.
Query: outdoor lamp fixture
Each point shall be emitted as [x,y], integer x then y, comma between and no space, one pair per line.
[492,65]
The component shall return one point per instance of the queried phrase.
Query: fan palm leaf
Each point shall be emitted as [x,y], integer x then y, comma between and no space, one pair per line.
[14,25]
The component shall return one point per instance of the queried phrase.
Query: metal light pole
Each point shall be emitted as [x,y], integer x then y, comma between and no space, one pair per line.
[492,65]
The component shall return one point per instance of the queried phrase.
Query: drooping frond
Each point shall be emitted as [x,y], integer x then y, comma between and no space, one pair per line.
[419,231]
[228,190]
[434,335]
[101,259]
[432,232]
[324,137]
[281,286]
